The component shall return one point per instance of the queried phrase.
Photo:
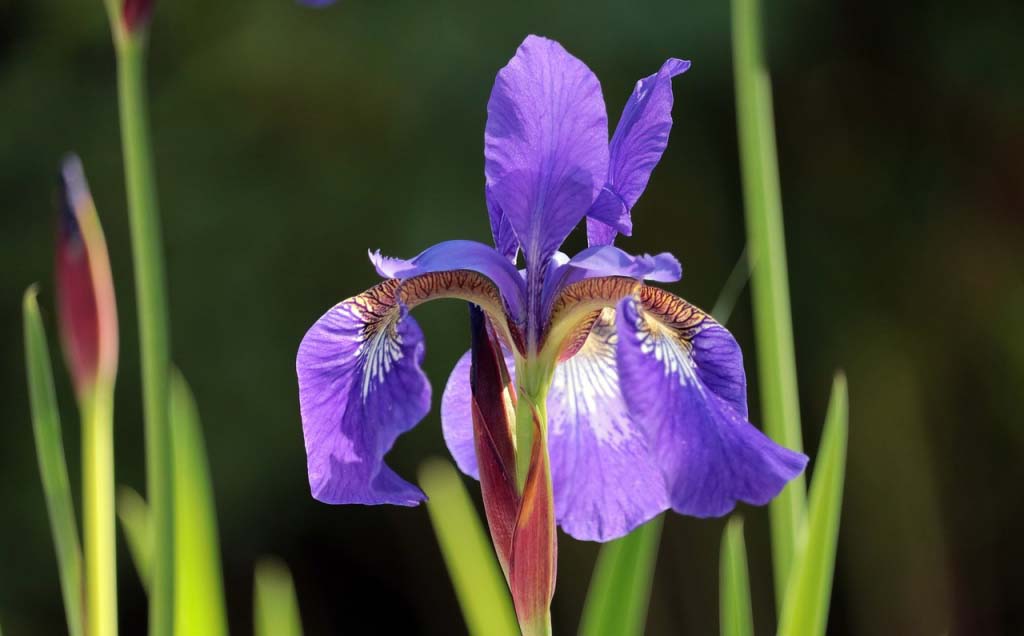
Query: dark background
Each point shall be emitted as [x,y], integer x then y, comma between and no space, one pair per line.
[289,141]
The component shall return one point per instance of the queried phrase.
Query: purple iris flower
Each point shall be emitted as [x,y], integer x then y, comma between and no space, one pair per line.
[644,393]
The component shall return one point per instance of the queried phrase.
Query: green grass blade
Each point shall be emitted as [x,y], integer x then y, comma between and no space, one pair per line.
[276,607]
[198,580]
[734,582]
[769,283]
[805,612]
[620,589]
[472,565]
[52,465]
[134,515]
[732,289]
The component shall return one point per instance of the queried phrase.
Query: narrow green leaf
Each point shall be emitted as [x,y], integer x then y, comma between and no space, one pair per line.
[275,604]
[734,582]
[52,466]
[134,515]
[620,589]
[199,596]
[773,323]
[732,289]
[472,565]
[805,611]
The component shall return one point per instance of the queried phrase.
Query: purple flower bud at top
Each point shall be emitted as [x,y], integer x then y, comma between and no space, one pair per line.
[136,14]
[316,3]
[87,311]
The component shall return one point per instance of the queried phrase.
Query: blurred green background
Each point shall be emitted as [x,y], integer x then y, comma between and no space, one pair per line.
[290,140]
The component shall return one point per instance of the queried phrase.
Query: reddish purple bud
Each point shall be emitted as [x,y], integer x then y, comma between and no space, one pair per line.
[136,14]
[492,435]
[87,311]
[535,543]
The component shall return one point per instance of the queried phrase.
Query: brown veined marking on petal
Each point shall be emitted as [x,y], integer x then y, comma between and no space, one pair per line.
[578,306]
[672,312]
[379,305]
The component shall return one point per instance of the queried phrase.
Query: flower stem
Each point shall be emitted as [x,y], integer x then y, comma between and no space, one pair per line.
[769,283]
[151,300]
[98,511]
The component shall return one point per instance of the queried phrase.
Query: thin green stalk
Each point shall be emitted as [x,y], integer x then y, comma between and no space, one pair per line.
[98,512]
[769,283]
[154,344]
[53,468]
[734,582]
[732,288]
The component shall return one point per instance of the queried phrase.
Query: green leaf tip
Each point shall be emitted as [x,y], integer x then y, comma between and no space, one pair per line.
[805,611]
[53,469]
[734,582]
[472,564]
[275,604]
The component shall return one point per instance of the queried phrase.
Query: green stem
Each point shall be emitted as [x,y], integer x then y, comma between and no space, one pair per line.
[98,512]
[151,300]
[769,283]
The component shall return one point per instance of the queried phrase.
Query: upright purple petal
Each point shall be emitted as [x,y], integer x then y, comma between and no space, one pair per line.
[360,387]
[606,481]
[640,139]
[460,255]
[546,145]
[682,377]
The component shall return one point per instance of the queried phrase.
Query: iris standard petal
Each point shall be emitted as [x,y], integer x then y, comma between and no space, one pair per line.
[681,371]
[360,387]
[605,480]
[640,139]
[545,145]
[457,416]
[460,255]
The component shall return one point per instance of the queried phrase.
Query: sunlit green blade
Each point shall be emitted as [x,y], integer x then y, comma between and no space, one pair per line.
[805,611]
[276,606]
[734,582]
[769,283]
[52,466]
[620,589]
[134,515]
[472,565]
[199,595]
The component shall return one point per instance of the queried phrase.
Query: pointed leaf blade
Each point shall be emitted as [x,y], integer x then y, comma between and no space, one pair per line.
[734,582]
[805,610]
[472,564]
[52,466]
[199,597]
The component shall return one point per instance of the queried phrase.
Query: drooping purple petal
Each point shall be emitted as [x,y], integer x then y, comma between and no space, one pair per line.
[460,255]
[640,139]
[545,145]
[606,481]
[682,377]
[360,387]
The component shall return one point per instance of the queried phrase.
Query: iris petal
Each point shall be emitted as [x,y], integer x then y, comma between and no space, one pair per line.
[640,139]
[360,387]
[685,382]
[545,145]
